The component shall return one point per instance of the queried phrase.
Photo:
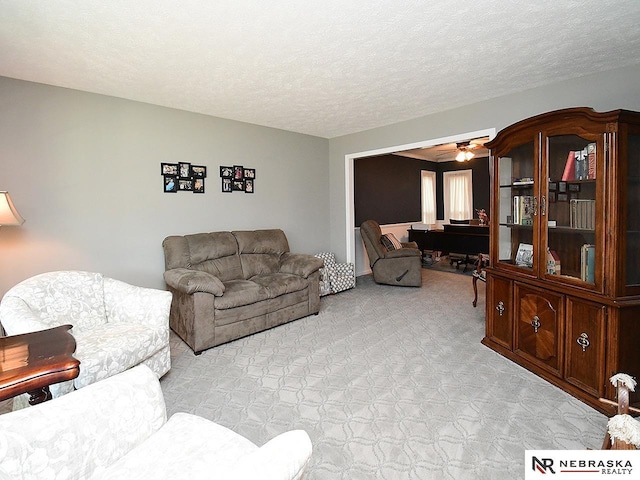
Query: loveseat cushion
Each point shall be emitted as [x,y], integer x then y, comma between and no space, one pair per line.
[278,284]
[214,253]
[260,251]
[239,293]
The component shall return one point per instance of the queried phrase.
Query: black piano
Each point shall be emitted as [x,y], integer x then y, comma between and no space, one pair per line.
[466,240]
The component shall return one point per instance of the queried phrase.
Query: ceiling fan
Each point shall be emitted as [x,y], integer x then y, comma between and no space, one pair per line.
[464,151]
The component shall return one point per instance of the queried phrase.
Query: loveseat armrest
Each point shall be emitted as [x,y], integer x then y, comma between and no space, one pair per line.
[300,264]
[83,432]
[192,281]
[403,252]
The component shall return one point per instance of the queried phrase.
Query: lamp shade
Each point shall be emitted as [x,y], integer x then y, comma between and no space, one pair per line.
[8,213]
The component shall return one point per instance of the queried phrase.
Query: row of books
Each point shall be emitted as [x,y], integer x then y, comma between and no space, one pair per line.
[581,164]
[582,214]
[523,209]
[588,263]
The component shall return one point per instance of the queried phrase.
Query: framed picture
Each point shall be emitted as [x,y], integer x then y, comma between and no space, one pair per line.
[226,172]
[185,184]
[170,183]
[524,257]
[249,173]
[198,171]
[169,168]
[226,185]
[562,187]
[552,197]
[238,185]
[198,185]
[184,170]
[574,187]
[563,197]
[248,185]
[238,172]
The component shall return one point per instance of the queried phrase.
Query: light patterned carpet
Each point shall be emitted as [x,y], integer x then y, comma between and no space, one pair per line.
[390,383]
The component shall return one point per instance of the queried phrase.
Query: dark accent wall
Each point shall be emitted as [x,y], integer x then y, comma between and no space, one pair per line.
[387,188]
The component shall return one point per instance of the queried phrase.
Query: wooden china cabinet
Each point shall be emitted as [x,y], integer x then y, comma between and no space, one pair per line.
[563,288]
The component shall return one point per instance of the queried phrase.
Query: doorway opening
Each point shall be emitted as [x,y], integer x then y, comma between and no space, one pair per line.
[352,232]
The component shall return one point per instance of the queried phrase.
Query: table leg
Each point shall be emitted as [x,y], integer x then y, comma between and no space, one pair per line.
[475,291]
[39,395]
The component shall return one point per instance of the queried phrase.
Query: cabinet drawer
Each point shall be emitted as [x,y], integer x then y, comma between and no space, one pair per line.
[538,323]
[585,346]
[500,311]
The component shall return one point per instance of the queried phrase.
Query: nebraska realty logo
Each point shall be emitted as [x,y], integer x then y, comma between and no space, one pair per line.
[582,464]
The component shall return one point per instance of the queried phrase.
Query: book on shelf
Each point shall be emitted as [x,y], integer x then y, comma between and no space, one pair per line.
[569,167]
[553,262]
[588,263]
[523,209]
[591,161]
[582,214]
[526,210]
[580,164]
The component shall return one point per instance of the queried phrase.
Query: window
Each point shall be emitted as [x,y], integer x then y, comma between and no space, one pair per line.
[458,194]
[428,197]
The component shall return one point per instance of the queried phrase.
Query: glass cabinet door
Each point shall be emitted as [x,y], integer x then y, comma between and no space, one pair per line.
[632,220]
[569,206]
[516,174]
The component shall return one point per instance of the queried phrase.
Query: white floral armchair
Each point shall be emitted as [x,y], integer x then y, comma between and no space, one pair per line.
[116,325]
[117,429]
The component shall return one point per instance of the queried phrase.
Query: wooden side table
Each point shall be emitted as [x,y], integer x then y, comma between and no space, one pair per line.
[30,362]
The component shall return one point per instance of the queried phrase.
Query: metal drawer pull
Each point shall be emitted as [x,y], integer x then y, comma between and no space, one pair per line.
[500,307]
[535,323]
[583,341]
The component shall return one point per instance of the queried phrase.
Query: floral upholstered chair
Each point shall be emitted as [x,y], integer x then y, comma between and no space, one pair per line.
[116,325]
[117,429]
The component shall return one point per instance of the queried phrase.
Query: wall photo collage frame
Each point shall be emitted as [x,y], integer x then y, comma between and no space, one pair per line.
[237,178]
[183,177]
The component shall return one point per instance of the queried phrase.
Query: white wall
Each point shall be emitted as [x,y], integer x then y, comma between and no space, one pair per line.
[606,91]
[84,170]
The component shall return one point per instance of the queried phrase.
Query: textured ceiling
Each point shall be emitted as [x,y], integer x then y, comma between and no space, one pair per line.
[325,68]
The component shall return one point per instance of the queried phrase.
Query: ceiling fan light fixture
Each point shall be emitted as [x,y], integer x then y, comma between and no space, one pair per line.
[464,154]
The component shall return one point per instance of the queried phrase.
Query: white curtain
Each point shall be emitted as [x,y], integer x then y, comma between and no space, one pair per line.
[458,195]
[428,197]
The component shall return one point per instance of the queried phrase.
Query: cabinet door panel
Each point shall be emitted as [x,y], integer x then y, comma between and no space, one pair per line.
[539,327]
[500,311]
[585,346]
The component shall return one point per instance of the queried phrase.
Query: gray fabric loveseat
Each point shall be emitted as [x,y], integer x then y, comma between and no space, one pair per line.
[226,285]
